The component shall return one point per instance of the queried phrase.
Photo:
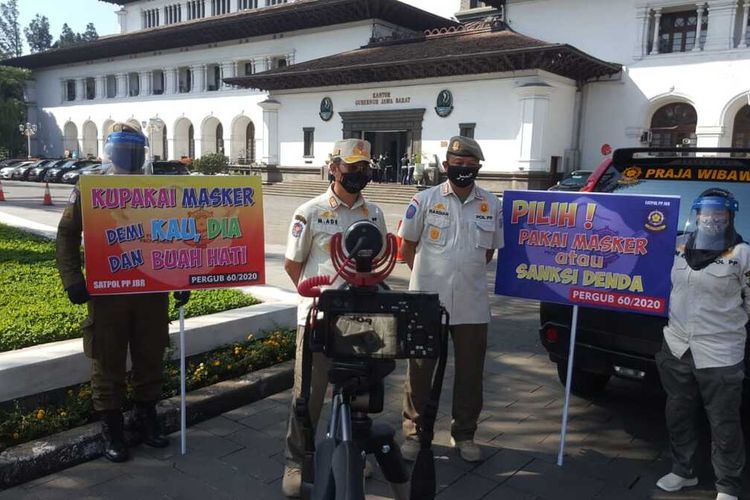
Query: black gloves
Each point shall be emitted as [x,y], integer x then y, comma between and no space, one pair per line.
[78,294]
[181,298]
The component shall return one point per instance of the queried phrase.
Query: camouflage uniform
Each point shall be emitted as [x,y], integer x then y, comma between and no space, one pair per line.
[140,321]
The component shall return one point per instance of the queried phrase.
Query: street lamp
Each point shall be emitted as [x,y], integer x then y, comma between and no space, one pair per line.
[28,130]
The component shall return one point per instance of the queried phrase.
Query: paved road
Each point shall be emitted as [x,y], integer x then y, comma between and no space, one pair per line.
[616,443]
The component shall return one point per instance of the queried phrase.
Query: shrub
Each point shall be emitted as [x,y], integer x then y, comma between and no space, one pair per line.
[34,308]
[21,423]
[211,164]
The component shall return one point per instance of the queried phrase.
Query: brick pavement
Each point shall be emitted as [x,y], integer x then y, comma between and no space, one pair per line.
[616,443]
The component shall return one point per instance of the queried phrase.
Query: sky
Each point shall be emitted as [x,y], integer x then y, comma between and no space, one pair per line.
[78,13]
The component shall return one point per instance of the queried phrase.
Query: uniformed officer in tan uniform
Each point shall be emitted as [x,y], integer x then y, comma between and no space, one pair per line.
[308,254]
[450,234]
[140,321]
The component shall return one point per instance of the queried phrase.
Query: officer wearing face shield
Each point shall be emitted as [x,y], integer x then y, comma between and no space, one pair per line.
[116,322]
[308,254]
[701,363]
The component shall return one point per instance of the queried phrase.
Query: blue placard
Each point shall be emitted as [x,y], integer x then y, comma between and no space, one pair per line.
[599,250]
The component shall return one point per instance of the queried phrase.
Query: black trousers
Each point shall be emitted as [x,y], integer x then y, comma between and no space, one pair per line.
[719,392]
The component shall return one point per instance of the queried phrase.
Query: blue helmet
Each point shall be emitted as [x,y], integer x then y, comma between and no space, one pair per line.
[125,148]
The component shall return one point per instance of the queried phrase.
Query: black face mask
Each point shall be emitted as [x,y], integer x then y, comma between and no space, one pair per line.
[462,176]
[354,182]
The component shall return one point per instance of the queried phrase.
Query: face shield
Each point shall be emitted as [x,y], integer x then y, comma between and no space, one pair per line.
[126,151]
[710,225]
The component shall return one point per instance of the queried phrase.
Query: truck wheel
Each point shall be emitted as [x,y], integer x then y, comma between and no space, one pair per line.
[584,383]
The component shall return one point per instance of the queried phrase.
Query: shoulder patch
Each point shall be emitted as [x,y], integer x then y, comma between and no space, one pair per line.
[301,218]
[411,211]
[297,229]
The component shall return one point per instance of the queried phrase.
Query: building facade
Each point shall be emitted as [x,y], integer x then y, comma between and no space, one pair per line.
[544,85]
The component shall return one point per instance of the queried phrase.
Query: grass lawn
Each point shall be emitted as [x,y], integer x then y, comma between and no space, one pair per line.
[34,308]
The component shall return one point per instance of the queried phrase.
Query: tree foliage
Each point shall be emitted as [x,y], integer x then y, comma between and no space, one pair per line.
[11,44]
[37,34]
[90,34]
[68,37]
[12,110]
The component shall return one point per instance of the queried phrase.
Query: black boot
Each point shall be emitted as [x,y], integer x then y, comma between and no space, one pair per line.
[148,425]
[114,442]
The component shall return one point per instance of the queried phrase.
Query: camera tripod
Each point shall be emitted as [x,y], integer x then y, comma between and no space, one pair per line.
[351,435]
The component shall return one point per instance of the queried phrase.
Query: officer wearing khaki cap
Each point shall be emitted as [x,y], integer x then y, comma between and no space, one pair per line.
[308,254]
[450,234]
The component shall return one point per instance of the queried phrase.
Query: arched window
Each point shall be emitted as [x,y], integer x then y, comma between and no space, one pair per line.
[220,139]
[741,129]
[250,142]
[673,125]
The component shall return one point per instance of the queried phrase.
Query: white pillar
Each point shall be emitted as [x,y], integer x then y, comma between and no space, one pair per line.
[101,86]
[122,84]
[144,82]
[721,25]
[227,71]
[699,27]
[170,85]
[641,34]
[80,89]
[270,151]
[743,36]
[657,21]
[198,74]
[534,99]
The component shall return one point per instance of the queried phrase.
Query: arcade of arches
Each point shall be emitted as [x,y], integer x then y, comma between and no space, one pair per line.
[240,146]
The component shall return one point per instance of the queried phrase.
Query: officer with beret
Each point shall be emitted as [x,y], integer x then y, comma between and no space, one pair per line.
[308,254]
[450,233]
[116,322]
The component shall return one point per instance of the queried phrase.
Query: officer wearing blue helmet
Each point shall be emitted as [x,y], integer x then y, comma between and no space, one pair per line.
[701,363]
[116,322]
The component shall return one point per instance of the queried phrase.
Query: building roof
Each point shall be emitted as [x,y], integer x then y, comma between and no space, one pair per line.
[444,52]
[302,14]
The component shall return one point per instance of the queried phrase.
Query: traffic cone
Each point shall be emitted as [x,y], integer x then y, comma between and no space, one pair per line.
[47,196]
[2,195]
[399,244]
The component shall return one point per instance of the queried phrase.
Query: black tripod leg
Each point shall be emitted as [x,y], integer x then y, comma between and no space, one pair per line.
[392,463]
[394,469]
[348,462]
[324,488]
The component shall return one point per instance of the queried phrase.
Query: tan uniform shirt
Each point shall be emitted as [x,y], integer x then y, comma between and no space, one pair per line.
[708,309]
[453,238]
[313,225]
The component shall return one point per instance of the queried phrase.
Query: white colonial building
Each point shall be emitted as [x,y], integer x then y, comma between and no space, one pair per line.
[543,85]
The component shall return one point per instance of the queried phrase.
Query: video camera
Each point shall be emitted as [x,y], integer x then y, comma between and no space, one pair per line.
[363,327]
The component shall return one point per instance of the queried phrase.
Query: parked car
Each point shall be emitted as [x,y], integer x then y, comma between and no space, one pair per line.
[573,181]
[7,167]
[611,343]
[93,169]
[55,173]
[24,170]
[37,171]
[164,167]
